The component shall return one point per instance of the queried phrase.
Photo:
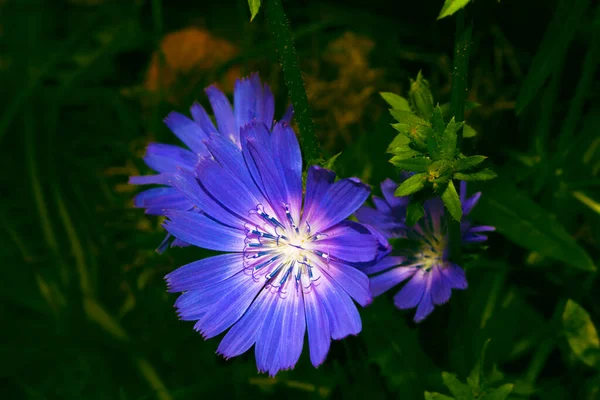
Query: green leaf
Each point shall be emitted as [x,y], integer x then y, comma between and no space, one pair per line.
[483,175]
[414,212]
[581,334]
[458,389]
[329,164]
[448,142]
[548,59]
[468,162]
[528,225]
[452,201]
[436,134]
[421,97]
[468,131]
[588,201]
[412,126]
[476,377]
[400,155]
[437,396]
[395,101]
[500,393]
[411,185]
[417,164]
[401,141]
[254,7]
[451,6]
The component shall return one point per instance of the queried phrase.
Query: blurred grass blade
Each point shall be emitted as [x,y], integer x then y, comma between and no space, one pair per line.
[591,203]
[528,225]
[585,84]
[581,334]
[451,6]
[567,19]
[254,7]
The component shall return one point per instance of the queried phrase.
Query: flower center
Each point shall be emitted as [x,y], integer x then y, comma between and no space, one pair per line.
[281,252]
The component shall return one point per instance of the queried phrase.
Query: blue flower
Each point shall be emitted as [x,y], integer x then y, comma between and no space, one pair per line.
[432,275]
[292,258]
[252,102]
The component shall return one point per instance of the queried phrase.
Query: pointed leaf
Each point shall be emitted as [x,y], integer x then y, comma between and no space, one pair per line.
[401,141]
[468,162]
[448,142]
[476,377]
[458,389]
[528,225]
[434,137]
[401,155]
[468,131]
[437,396]
[451,6]
[254,7]
[411,185]
[500,393]
[483,175]
[581,334]
[414,212]
[421,97]
[395,101]
[452,201]
[417,164]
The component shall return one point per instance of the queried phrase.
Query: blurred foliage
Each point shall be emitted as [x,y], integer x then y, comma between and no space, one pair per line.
[86,84]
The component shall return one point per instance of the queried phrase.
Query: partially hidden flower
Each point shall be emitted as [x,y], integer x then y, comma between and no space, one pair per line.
[291,261]
[253,101]
[431,275]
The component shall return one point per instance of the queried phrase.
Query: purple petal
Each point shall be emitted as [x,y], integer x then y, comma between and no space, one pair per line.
[341,200]
[348,241]
[268,179]
[187,184]
[223,113]
[244,333]
[289,113]
[293,328]
[206,272]
[267,341]
[193,305]
[388,187]
[227,189]
[470,203]
[386,223]
[384,282]
[229,156]
[268,106]
[463,191]
[425,305]
[440,287]
[317,323]
[287,155]
[187,131]
[455,275]
[318,181]
[381,205]
[202,231]
[159,179]
[230,307]
[157,200]
[385,263]
[482,228]
[342,314]
[202,119]
[412,293]
[354,282]
[166,158]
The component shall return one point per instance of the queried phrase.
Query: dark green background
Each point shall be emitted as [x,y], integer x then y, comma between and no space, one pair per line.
[84,309]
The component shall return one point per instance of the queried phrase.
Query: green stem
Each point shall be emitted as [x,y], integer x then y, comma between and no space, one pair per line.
[284,44]
[462,51]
